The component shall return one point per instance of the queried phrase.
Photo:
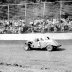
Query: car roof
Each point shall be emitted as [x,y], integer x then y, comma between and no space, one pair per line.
[32,38]
[43,38]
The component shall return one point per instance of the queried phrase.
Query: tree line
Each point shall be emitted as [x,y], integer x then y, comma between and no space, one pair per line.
[16,10]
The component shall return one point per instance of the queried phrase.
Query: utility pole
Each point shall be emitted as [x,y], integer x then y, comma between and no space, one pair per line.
[60,9]
[44,15]
[8,12]
[44,9]
[25,12]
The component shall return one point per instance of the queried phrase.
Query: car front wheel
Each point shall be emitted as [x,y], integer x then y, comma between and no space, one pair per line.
[49,48]
[26,47]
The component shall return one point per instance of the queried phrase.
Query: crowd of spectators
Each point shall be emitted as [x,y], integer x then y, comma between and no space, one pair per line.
[52,25]
[35,26]
[11,27]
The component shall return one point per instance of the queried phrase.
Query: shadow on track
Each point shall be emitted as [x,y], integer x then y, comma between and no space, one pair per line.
[39,49]
[59,49]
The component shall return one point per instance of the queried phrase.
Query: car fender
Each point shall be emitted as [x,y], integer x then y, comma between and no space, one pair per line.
[28,42]
[52,42]
[35,45]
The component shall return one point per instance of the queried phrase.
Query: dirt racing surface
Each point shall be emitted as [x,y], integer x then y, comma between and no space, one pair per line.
[13,58]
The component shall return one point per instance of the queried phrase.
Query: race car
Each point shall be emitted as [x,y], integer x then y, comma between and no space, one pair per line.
[46,42]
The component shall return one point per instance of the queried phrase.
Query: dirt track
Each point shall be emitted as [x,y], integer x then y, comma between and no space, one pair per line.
[12,52]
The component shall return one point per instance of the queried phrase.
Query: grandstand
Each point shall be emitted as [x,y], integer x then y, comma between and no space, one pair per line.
[38,17]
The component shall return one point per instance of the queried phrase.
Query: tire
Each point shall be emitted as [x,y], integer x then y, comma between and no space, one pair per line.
[26,47]
[49,48]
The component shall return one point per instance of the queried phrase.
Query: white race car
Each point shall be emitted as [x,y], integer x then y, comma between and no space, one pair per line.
[45,42]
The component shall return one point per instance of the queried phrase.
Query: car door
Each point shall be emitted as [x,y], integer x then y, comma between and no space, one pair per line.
[36,43]
[42,43]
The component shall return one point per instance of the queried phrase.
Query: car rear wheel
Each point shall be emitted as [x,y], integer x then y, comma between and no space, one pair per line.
[49,48]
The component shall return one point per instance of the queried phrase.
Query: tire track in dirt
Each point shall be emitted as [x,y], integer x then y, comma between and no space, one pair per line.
[22,68]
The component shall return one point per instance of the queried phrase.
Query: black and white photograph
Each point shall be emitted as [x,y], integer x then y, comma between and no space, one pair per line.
[35,35]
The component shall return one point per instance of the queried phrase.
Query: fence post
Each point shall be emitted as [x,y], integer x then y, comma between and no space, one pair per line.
[44,9]
[43,16]
[25,11]
[61,14]
[8,12]
[60,8]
